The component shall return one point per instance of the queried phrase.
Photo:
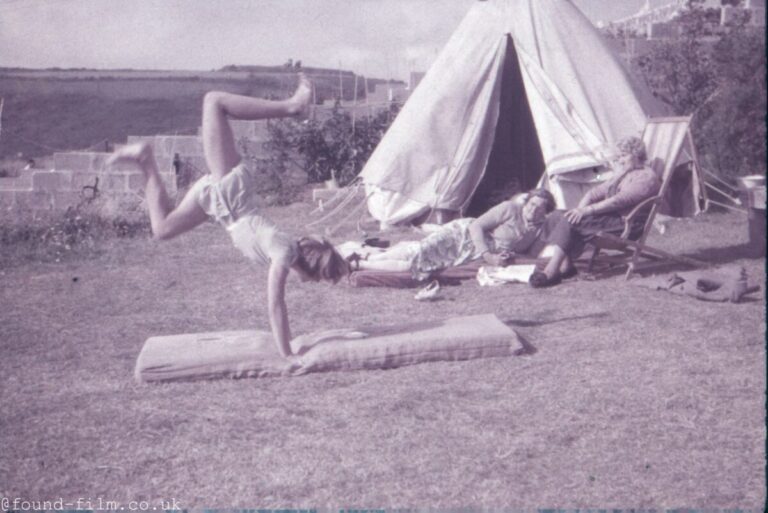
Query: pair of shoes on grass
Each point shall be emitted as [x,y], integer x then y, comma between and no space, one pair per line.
[539,279]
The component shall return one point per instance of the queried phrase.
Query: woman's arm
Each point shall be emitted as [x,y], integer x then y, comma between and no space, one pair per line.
[638,186]
[486,223]
[595,194]
[278,312]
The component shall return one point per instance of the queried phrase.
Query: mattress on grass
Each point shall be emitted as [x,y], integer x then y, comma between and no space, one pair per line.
[252,353]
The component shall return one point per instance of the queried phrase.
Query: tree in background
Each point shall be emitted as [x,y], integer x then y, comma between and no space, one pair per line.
[717,74]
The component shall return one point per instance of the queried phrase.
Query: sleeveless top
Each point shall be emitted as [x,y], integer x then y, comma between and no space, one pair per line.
[232,202]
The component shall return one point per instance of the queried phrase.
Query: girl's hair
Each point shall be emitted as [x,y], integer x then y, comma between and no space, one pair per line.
[544,194]
[319,260]
[633,146]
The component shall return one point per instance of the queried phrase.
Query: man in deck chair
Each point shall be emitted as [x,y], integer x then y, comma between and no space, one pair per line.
[601,210]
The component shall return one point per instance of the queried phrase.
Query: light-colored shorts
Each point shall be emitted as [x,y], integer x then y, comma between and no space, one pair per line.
[233,203]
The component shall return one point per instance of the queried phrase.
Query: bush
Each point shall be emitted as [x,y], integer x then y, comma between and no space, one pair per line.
[716,74]
[336,147]
[58,237]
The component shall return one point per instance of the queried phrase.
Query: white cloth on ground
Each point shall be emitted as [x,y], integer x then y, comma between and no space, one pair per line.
[492,275]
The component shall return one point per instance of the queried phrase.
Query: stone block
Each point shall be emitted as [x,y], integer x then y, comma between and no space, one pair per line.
[98,161]
[65,179]
[184,145]
[7,200]
[135,181]
[72,161]
[27,201]
[198,164]
[149,139]
[16,183]
[114,182]
[80,161]
[80,180]
[124,167]
[49,181]
[164,164]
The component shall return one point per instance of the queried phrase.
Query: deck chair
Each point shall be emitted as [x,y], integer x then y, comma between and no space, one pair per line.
[664,139]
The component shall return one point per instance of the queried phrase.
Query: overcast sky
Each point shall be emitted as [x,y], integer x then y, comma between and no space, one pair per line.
[378,38]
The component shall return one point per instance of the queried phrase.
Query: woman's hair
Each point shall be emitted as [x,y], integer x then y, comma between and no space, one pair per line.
[544,194]
[319,260]
[633,146]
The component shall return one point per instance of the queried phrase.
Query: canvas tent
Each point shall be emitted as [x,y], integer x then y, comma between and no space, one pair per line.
[525,91]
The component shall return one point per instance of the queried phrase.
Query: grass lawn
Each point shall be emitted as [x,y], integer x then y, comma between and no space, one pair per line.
[630,398]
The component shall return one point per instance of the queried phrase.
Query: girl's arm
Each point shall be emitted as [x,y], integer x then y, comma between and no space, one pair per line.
[486,223]
[278,312]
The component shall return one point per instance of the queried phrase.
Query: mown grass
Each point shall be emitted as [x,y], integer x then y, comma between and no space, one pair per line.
[629,398]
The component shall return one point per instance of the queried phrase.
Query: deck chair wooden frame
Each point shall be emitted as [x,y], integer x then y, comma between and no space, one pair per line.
[663,154]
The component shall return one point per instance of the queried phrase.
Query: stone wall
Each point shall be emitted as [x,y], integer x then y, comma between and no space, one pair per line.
[78,178]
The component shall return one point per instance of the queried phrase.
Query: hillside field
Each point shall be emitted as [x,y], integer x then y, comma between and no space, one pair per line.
[45,111]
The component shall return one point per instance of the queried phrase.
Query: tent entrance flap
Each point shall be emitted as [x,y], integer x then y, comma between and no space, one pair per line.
[516,162]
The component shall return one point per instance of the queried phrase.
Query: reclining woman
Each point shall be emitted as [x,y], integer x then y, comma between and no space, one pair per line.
[228,196]
[509,228]
[600,210]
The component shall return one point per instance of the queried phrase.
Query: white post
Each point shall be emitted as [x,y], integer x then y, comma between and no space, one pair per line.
[354,106]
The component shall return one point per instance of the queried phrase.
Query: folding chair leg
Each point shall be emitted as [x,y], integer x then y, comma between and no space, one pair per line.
[631,264]
[591,265]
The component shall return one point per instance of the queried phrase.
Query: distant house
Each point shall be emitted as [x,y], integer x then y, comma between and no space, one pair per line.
[659,22]
[644,29]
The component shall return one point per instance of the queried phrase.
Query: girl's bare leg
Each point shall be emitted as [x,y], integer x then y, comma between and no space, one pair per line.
[218,140]
[399,252]
[166,221]
[385,265]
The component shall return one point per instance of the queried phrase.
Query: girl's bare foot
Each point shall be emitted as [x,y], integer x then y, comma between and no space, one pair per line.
[139,154]
[302,97]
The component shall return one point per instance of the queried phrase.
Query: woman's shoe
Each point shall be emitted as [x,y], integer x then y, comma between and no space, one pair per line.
[540,280]
[429,292]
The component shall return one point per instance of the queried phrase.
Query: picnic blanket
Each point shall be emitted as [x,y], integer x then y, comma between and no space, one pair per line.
[252,353]
[729,283]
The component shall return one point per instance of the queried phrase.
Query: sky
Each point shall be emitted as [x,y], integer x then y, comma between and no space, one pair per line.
[376,38]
